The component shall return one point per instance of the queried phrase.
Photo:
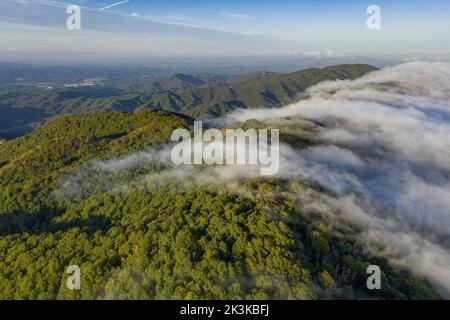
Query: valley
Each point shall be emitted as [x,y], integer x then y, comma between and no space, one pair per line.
[86,181]
[202,96]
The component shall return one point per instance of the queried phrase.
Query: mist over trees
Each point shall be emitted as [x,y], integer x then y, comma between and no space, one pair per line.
[140,240]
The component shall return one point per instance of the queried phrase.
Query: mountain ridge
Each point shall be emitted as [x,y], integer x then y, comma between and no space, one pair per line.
[137,238]
[204,96]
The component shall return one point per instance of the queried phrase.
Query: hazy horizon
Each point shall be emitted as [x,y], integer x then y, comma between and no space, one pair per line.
[36,31]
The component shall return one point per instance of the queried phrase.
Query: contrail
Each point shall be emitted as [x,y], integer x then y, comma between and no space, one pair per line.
[113,5]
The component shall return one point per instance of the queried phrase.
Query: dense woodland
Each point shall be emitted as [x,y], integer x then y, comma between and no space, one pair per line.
[165,241]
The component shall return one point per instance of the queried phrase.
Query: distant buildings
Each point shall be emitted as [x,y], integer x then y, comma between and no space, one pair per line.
[86,83]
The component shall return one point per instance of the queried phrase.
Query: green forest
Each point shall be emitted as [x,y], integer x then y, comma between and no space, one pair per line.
[165,241]
[24,108]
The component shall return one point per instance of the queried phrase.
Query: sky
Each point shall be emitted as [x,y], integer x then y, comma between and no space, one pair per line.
[36,29]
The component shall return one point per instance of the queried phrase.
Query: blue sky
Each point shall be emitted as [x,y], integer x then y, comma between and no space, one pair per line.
[224,28]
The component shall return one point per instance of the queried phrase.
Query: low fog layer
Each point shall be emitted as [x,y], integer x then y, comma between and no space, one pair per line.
[383,150]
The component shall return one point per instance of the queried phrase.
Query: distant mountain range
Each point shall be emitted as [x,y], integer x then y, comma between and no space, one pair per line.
[202,96]
[261,90]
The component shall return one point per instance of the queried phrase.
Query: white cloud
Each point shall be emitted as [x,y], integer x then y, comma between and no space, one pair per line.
[382,150]
[237,16]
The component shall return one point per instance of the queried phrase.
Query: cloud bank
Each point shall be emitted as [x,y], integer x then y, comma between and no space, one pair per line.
[384,150]
[382,147]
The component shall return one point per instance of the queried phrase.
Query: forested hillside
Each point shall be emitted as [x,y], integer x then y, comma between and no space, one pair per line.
[138,238]
[264,90]
[205,95]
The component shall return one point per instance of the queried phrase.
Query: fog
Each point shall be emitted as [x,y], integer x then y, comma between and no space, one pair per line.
[382,149]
